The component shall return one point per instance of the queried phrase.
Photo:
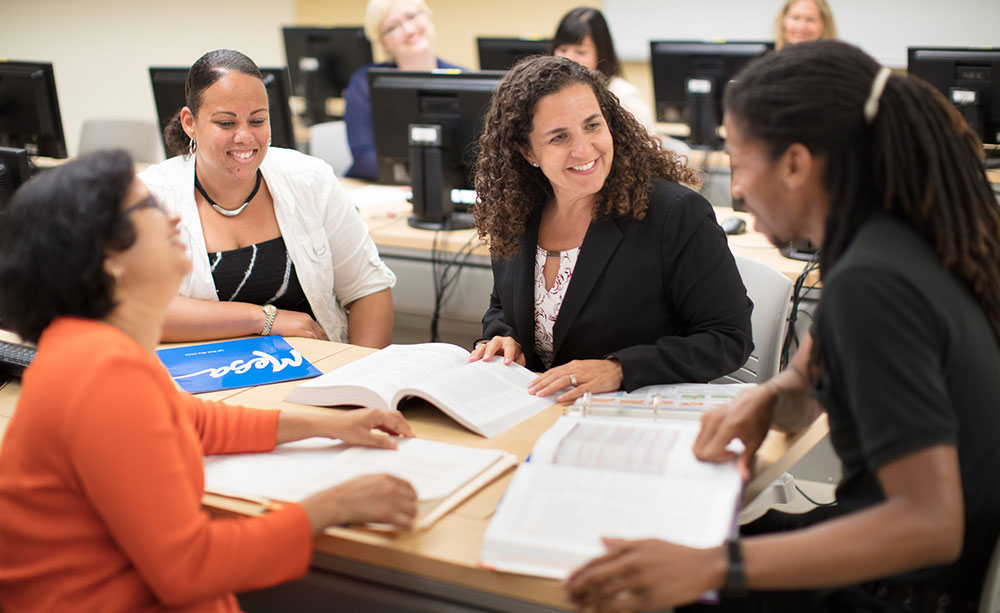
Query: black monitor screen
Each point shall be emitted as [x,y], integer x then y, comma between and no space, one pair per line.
[321,62]
[452,103]
[502,53]
[168,94]
[689,78]
[967,76]
[29,109]
[13,172]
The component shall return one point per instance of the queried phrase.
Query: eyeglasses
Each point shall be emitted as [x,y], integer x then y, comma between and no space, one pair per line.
[146,203]
[397,25]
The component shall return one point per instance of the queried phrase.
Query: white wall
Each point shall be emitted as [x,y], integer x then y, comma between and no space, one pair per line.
[883,28]
[102,49]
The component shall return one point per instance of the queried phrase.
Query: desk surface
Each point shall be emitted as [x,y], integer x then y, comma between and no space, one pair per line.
[448,551]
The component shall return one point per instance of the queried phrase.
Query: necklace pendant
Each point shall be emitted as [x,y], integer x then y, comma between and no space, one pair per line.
[219,209]
[227,212]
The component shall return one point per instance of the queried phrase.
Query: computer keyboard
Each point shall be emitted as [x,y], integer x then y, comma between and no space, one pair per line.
[14,358]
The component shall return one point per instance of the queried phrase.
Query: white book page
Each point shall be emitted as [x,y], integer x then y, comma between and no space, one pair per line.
[488,397]
[295,471]
[388,370]
[596,477]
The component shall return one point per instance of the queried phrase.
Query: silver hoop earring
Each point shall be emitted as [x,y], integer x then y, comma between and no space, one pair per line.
[192,146]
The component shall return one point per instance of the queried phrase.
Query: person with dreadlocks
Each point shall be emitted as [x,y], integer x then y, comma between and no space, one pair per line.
[827,145]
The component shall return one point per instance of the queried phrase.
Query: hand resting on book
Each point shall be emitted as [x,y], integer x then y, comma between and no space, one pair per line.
[506,346]
[579,376]
[380,498]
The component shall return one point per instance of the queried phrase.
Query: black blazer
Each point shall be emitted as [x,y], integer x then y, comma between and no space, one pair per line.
[662,295]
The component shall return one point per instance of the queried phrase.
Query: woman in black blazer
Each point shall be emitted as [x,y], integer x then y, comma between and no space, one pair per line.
[608,273]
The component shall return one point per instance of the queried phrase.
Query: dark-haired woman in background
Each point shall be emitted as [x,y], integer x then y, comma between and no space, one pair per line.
[583,36]
[276,246]
[827,145]
[607,272]
[101,474]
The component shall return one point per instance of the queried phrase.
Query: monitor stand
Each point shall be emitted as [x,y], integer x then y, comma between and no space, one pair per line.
[432,205]
[799,250]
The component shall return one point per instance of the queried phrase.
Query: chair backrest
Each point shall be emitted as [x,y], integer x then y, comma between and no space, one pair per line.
[771,293]
[328,142]
[989,599]
[139,137]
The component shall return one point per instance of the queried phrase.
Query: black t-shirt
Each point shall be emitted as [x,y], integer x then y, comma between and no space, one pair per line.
[909,361]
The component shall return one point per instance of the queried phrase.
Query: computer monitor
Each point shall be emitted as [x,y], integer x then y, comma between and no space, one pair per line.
[321,62]
[689,78]
[13,172]
[29,109]
[503,53]
[969,77]
[427,125]
[168,94]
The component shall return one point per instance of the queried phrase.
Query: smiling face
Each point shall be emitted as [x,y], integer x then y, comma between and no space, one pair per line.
[787,195]
[151,269]
[583,53]
[571,143]
[232,127]
[405,31]
[803,22]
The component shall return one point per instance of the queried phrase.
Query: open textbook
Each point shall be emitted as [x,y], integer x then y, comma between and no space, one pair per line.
[443,475]
[595,476]
[485,397]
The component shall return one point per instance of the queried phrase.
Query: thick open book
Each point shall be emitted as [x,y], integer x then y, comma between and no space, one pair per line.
[485,397]
[443,475]
[596,476]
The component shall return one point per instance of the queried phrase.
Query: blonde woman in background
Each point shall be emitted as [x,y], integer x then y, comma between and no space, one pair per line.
[801,21]
[403,29]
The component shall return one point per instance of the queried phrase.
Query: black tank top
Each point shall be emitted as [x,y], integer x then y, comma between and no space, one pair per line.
[262,273]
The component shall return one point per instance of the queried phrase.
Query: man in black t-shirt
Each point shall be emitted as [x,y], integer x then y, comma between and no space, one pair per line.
[879,171]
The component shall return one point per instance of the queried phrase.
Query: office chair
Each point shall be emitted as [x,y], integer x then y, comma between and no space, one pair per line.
[139,137]
[989,598]
[328,142]
[771,293]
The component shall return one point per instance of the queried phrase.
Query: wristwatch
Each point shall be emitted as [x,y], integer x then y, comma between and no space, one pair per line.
[736,574]
[271,312]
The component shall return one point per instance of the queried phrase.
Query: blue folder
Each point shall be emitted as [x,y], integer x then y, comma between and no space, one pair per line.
[240,363]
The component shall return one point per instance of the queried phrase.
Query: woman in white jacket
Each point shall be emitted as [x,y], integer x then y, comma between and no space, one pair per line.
[276,246]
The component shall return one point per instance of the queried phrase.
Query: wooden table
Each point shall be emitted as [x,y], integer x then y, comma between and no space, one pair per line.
[442,561]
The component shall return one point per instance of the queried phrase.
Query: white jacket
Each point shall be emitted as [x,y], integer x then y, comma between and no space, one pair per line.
[335,259]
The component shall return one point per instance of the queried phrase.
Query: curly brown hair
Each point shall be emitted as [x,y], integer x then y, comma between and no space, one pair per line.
[510,189]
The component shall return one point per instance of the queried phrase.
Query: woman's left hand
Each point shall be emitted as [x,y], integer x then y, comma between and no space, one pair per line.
[646,574]
[367,427]
[370,427]
[580,376]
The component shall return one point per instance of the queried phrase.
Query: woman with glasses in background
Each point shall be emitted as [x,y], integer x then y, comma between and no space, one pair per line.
[403,29]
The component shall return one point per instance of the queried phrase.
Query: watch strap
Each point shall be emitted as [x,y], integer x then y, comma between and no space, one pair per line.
[270,311]
[736,574]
